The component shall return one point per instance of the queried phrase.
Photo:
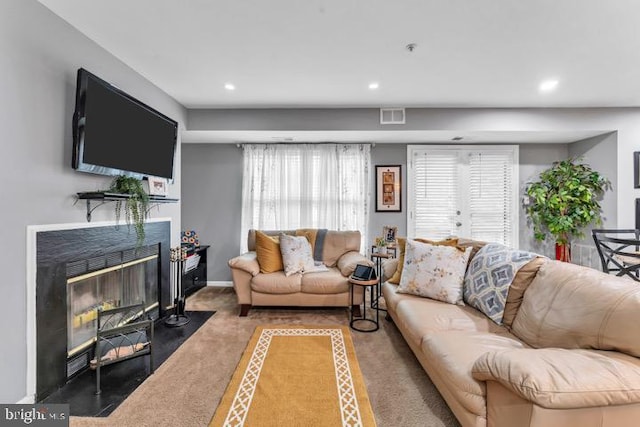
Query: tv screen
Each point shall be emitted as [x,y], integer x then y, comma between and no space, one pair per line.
[115,134]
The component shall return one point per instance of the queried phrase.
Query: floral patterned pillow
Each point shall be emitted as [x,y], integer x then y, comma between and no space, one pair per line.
[296,254]
[435,272]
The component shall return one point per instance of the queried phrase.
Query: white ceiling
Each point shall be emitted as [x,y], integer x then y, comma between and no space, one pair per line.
[324,53]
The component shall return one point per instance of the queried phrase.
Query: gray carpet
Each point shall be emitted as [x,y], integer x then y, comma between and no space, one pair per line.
[188,386]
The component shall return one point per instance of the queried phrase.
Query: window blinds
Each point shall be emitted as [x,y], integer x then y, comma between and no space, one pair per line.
[468,191]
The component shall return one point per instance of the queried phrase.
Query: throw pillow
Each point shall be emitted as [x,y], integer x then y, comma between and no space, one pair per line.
[490,274]
[395,279]
[435,272]
[268,252]
[296,254]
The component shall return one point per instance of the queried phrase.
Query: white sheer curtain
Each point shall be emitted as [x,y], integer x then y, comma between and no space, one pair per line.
[289,186]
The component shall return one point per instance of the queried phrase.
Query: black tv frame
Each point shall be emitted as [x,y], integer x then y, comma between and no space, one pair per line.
[78,124]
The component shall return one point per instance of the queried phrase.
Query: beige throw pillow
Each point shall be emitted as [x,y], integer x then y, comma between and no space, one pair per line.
[402,241]
[296,254]
[435,272]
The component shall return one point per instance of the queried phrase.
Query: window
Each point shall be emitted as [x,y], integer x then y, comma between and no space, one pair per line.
[468,191]
[289,186]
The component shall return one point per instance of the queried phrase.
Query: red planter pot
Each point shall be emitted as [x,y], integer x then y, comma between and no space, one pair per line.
[563,252]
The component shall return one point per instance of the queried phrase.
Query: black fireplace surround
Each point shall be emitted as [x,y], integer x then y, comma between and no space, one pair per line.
[54,249]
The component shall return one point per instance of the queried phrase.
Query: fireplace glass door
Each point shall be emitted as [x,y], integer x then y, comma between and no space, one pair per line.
[125,284]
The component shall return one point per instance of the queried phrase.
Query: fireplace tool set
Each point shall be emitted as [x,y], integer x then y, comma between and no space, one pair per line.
[178,256]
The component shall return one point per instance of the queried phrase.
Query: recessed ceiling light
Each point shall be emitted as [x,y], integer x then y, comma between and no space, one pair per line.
[229,86]
[548,85]
[374,85]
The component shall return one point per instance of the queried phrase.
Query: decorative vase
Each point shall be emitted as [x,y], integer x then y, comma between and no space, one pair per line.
[563,252]
[382,250]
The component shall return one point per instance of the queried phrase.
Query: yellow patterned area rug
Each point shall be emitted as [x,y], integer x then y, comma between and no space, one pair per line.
[296,376]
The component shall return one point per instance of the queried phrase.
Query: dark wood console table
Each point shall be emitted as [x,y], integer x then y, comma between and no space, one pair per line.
[196,279]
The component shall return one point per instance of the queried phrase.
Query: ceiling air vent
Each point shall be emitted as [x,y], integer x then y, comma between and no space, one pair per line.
[392,116]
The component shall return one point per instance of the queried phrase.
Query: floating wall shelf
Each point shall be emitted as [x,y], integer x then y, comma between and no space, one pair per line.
[101,197]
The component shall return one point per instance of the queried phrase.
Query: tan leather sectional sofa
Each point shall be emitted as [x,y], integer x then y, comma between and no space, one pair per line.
[567,354]
[338,250]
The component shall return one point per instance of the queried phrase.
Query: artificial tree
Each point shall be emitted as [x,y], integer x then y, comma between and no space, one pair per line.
[564,201]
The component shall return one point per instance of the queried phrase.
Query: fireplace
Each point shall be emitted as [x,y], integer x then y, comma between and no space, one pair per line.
[78,271]
[114,280]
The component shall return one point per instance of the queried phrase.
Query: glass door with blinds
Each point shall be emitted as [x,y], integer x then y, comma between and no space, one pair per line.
[466,191]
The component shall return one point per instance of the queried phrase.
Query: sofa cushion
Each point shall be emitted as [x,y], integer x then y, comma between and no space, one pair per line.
[564,379]
[310,234]
[570,306]
[392,297]
[276,283]
[251,236]
[454,353]
[401,248]
[324,282]
[268,252]
[296,254]
[347,262]
[336,243]
[523,279]
[489,277]
[435,272]
[421,316]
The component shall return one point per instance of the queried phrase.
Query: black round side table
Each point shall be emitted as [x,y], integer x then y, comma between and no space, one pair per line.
[373,294]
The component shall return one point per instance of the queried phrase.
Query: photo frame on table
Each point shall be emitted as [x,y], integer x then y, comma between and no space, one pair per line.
[157,186]
[389,233]
[636,169]
[388,188]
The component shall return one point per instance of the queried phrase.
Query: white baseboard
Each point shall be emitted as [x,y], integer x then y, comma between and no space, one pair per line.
[220,284]
[27,400]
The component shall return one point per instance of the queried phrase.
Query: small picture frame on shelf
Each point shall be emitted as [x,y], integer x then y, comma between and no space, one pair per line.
[389,234]
[158,186]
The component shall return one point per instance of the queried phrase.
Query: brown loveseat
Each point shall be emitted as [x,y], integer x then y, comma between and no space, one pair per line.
[338,250]
[566,354]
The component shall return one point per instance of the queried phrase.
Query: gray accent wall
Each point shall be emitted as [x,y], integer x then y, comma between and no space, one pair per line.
[212,196]
[40,56]
[212,201]
[388,154]
[601,153]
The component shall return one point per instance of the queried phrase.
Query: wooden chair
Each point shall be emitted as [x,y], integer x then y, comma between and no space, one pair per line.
[619,251]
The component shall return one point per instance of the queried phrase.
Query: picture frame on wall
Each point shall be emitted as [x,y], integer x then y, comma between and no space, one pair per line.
[388,188]
[636,169]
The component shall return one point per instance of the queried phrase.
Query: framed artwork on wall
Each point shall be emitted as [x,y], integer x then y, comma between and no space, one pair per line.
[388,188]
[636,169]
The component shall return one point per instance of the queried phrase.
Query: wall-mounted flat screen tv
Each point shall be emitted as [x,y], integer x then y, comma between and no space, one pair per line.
[115,134]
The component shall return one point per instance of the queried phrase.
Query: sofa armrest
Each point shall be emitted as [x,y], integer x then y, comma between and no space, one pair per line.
[243,269]
[563,379]
[389,267]
[247,262]
[348,261]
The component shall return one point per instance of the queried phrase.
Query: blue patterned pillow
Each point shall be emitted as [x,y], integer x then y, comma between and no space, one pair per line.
[489,276]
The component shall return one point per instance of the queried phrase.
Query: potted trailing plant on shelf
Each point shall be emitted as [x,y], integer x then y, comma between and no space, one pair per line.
[564,201]
[135,206]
